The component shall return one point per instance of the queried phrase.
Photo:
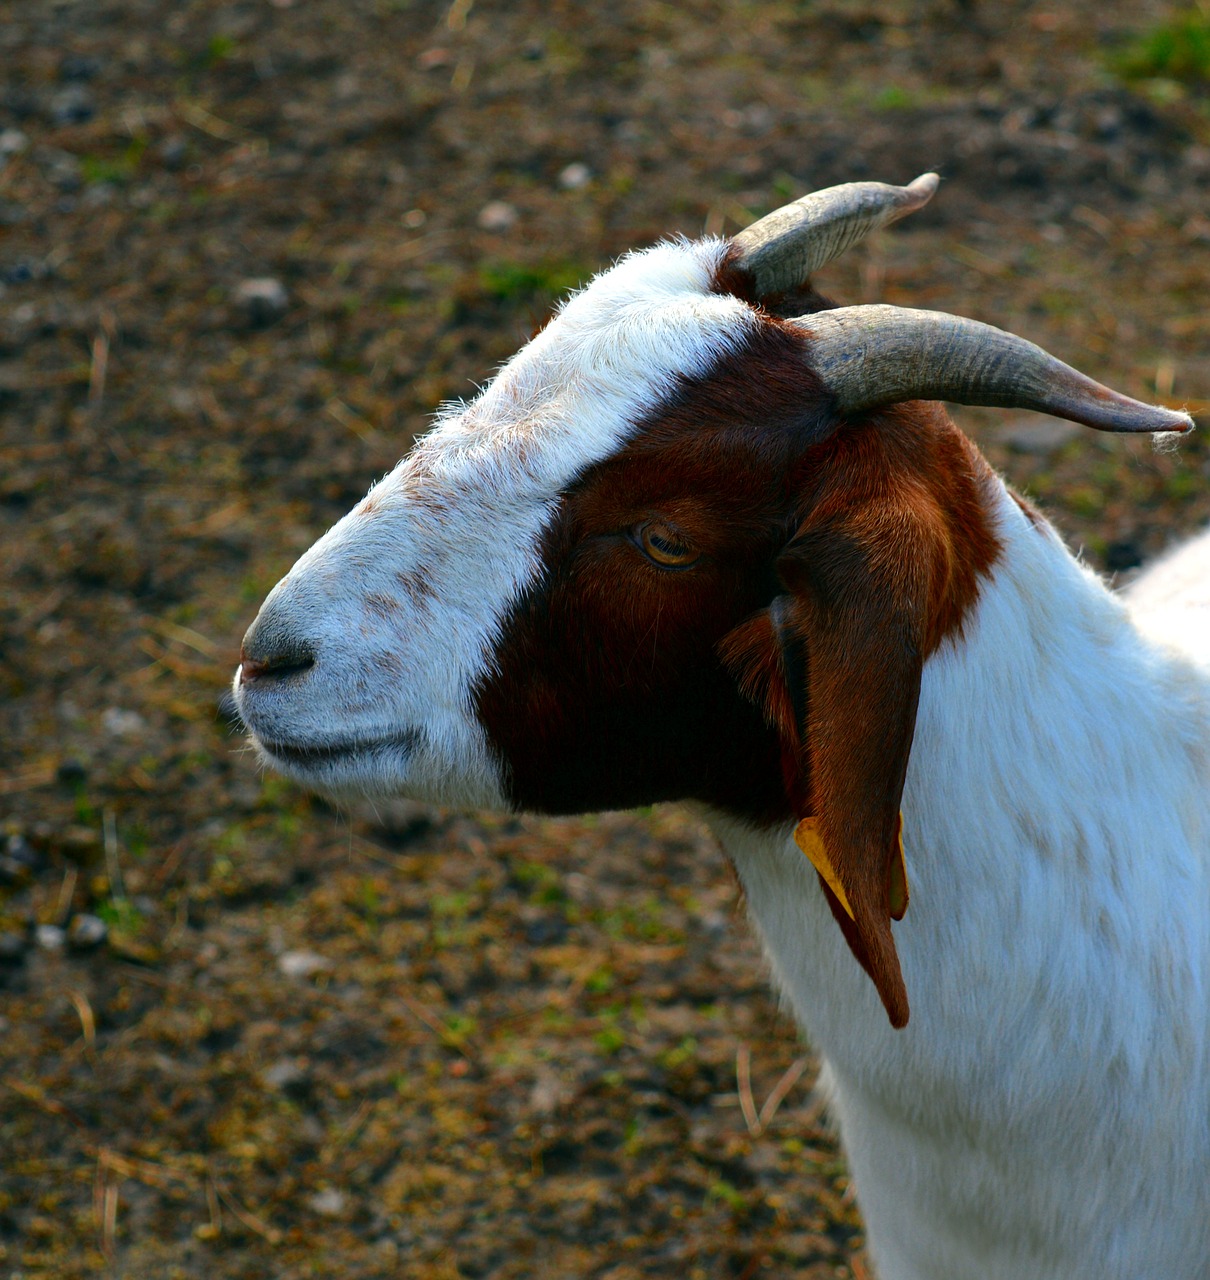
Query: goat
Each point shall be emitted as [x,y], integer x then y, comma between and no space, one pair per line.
[707,538]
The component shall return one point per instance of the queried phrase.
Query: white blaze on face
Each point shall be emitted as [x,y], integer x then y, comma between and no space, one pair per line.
[400,604]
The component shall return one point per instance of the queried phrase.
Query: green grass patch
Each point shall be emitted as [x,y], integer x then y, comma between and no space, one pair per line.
[122,916]
[551,277]
[117,169]
[895,98]
[731,1196]
[1178,49]
[609,1040]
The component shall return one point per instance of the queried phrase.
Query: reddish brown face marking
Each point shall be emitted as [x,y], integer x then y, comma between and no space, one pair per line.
[609,691]
[776,676]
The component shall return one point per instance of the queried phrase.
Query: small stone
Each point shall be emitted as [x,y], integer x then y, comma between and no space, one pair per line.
[50,937]
[19,849]
[62,169]
[98,195]
[330,1203]
[575,177]
[73,104]
[284,1073]
[85,932]
[549,1093]
[12,142]
[497,215]
[13,872]
[716,924]
[118,722]
[263,300]
[302,964]
[173,152]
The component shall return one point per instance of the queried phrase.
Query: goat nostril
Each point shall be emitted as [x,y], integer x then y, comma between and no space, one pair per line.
[276,666]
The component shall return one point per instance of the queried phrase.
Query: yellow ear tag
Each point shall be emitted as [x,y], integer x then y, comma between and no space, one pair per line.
[808,839]
[810,842]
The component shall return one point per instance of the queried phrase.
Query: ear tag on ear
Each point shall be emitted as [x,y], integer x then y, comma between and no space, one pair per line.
[808,839]
[898,876]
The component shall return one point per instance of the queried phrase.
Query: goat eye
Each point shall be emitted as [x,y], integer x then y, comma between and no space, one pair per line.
[664,545]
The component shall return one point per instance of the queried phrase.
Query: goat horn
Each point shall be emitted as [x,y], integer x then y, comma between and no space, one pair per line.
[877,355]
[785,247]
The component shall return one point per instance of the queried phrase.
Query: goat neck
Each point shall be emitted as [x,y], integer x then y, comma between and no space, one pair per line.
[1054,946]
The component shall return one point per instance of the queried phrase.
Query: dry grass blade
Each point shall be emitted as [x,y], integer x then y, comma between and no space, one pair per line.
[197,115]
[109,1220]
[164,658]
[100,1191]
[113,869]
[88,1023]
[31,1093]
[67,891]
[860,1270]
[99,366]
[215,1209]
[186,635]
[30,780]
[435,1025]
[347,417]
[245,1216]
[758,1121]
[789,1078]
[348,1133]
[743,1080]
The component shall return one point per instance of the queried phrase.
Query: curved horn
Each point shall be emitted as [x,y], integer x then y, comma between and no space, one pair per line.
[786,246]
[877,355]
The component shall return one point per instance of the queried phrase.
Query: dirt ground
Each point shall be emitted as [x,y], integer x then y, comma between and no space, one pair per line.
[245,249]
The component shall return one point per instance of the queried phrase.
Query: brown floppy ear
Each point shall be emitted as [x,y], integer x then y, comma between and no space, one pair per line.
[852,634]
[891,546]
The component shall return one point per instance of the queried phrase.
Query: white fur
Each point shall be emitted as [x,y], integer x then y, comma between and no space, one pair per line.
[461,518]
[1046,1113]
[1171,601]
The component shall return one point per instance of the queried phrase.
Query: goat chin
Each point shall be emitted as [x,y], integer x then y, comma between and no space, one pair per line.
[701,543]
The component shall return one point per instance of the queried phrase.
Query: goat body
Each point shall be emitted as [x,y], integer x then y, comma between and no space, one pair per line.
[662,557]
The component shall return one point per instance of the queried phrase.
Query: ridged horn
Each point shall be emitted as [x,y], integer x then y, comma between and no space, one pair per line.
[786,246]
[877,355]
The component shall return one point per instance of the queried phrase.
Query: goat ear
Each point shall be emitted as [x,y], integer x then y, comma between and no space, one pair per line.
[851,632]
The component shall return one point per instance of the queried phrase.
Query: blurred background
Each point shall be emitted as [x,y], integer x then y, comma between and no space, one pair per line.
[245,249]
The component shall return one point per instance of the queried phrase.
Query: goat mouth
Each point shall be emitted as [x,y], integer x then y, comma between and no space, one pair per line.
[312,756]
